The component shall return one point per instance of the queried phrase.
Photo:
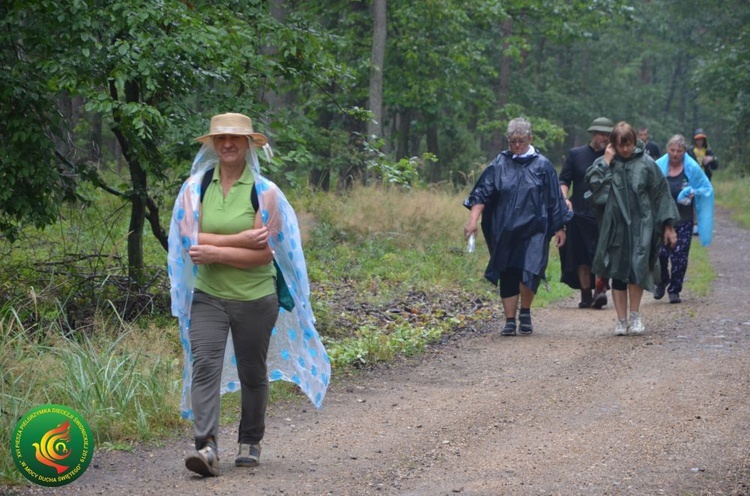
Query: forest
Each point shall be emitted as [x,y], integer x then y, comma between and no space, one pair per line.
[380,113]
[108,96]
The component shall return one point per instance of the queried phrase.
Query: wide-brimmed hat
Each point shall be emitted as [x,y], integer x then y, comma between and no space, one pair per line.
[601,125]
[238,124]
[699,133]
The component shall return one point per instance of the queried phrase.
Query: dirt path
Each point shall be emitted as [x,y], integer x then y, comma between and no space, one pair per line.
[570,410]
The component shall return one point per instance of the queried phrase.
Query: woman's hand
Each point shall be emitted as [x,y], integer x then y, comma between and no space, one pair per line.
[609,153]
[204,254]
[560,237]
[471,224]
[255,239]
[670,236]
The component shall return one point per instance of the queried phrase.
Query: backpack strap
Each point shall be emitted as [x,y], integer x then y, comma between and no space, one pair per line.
[206,182]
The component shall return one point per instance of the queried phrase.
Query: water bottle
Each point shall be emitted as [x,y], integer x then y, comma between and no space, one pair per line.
[472,244]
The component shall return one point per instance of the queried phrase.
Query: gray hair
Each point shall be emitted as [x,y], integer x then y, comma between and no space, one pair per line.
[678,140]
[519,126]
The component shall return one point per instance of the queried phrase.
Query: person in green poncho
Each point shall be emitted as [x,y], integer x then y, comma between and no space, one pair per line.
[636,215]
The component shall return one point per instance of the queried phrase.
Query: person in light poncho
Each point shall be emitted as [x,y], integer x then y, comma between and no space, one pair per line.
[226,261]
[692,191]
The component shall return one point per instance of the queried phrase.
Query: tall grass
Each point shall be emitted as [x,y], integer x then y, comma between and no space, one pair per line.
[732,194]
[124,383]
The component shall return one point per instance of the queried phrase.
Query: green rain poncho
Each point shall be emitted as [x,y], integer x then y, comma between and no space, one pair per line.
[632,203]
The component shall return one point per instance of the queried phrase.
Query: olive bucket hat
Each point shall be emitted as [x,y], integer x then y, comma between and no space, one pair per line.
[601,125]
[238,124]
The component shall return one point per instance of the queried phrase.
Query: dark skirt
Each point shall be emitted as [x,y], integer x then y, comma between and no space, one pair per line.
[580,246]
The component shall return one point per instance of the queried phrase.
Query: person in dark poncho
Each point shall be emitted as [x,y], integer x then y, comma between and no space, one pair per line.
[636,214]
[519,200]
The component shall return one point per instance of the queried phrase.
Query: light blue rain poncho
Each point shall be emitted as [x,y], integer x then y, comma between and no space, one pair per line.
[700,186]
[295,353]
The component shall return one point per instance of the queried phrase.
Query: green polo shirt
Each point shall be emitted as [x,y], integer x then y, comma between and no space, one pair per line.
[231,215]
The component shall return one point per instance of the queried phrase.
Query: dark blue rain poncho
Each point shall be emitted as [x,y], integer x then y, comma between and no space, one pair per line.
[523,208]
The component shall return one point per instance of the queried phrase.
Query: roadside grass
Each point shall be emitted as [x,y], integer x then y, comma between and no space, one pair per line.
[379,245]
[731,193]
[124,382]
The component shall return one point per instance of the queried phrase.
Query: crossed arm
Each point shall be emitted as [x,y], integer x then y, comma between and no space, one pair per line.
[245,249]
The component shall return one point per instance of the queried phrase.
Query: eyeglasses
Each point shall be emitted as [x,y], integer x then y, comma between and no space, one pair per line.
[517,142]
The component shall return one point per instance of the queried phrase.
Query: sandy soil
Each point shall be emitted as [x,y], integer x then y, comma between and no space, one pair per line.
[569,410]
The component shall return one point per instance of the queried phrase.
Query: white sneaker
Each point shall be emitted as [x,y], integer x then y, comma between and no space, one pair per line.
[636,325]
[621,328]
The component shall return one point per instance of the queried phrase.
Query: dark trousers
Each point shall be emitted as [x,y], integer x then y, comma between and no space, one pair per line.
[251,323]
[678,256]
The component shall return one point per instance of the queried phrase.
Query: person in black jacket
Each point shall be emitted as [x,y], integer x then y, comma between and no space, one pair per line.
[582,230]
[518,198]
[651,147]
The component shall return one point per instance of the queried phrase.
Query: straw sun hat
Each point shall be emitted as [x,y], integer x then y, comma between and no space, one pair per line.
[238,124]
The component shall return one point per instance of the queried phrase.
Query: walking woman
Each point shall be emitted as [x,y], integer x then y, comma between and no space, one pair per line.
[233,239]
[636,215]
[690,188]
[519,200]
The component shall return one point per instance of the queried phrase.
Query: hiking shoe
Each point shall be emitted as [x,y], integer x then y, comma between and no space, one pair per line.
[204,461]
[636,324]
[621,328]
[600,299]
[674,298]
[586,299]
[524,324]
[659,292]
[248,456]
[509,329]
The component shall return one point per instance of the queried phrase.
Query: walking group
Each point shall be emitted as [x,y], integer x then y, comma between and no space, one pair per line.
[621,214]
[239,282]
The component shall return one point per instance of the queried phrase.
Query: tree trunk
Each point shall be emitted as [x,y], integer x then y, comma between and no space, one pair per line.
[375,126]
[504,83]
[272,99]
[676,77]
[404,131]
[139,195]
[433,146]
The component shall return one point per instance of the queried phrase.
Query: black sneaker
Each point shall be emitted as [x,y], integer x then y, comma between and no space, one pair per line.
[509,329]
[674,298]
[524,324]
[204,461]
[659,292]
[600,299]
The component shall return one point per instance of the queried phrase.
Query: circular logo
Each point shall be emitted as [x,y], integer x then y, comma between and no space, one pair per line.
[52,445]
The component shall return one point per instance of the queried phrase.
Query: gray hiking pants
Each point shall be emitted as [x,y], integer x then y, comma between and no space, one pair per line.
[251,323]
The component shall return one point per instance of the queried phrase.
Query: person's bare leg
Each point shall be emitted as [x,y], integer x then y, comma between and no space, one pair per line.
[527,296]
[620,297]
[510,307]
[635,293]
